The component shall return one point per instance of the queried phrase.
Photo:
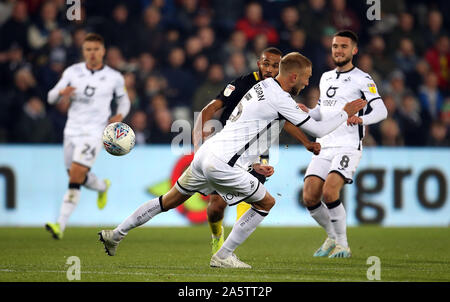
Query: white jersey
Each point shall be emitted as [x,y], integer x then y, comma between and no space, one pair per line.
[90,105]
[255,122]
[338,89]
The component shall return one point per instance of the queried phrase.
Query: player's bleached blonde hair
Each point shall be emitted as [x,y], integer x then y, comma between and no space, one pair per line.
[294,61]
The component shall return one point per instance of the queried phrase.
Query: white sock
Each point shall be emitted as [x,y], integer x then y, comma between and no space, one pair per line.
[143,214]
[93,183]
[69,204]
[338,218]
[321,214]
[242,229]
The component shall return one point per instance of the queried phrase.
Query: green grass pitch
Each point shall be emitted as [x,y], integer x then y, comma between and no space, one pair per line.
[182,254]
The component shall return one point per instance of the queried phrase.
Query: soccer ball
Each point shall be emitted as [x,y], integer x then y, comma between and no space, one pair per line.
[118,138]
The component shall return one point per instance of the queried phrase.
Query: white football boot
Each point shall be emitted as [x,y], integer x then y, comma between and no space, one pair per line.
[231,262]
[106,237]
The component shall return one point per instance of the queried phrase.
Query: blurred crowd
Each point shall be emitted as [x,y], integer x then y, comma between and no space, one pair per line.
[176,55]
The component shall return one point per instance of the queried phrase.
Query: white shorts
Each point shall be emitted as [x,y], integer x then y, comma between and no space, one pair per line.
[207,174]
[81,149]
[343,161]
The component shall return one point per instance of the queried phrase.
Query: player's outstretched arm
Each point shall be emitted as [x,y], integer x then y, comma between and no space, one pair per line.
[322,128]
[314,112]
[378,113]
[198,133]
[298,134]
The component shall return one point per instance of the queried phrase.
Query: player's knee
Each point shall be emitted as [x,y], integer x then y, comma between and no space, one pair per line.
[267,203]
[271,202]
[330,193]
[173,199]
[310,197]
[77,174]
[310,202]
[76,177]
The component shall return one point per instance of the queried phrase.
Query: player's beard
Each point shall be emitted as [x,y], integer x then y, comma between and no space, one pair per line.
[342,63]
[264,76]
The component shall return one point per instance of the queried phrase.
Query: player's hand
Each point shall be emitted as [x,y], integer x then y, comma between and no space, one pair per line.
[265,170]
[303,107]
[66,93]
[115,118]
[353,107]
[314,148]
[354,120]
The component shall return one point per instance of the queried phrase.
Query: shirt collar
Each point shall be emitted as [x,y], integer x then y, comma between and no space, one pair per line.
[339,72]
[94,70]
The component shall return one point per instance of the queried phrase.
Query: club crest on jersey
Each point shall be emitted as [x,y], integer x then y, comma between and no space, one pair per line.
[372,87]
[331,91]
[228,90]
[89,91]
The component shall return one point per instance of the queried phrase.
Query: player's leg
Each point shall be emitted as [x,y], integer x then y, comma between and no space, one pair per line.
[153,207]
[72,195]
[150,209]
[243,207]
[88,154]
[70,200]
[242,229]
[216,208]
[185,187]
[77,173]
[236,185]
[100,185]
[343,167]
[92,182]
[338,216]
[215,211]
[312,194]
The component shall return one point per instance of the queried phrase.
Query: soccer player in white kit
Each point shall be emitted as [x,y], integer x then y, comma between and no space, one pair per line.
[89,86]
[341,149]
[221,163]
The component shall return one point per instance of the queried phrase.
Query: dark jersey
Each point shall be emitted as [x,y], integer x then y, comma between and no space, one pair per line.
[234,92]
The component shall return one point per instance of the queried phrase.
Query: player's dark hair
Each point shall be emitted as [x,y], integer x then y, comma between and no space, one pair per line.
[272,50]
[93,37]
[348,34]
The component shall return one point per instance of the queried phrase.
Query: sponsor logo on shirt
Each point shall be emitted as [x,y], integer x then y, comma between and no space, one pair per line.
[331,91]
[228,90]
